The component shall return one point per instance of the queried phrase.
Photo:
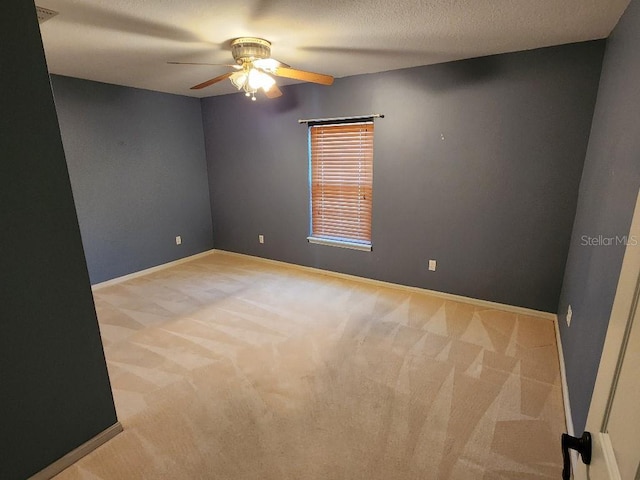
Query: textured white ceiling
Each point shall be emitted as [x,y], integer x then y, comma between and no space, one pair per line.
[128,42]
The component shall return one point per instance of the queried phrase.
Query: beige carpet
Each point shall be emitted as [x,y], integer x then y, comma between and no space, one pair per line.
[231,368]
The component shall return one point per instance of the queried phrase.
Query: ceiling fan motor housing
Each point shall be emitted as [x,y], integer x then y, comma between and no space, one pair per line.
[247,49]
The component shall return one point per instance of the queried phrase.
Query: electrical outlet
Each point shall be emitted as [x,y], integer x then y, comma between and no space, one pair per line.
[432,265]
[178,240]
[261,238]
[569,315]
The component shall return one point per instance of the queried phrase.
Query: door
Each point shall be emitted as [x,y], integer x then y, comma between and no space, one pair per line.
[614,415]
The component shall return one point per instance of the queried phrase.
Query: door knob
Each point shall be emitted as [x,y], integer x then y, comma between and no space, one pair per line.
[582,445]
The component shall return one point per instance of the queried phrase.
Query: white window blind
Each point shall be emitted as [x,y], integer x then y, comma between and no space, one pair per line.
[341,181]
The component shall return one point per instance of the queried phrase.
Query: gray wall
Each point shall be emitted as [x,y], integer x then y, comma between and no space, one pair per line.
[54,388]
[138,171]
[608,191]
[493,202]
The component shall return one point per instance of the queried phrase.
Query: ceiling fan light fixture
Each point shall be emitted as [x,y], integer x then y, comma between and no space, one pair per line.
[239,79]
[251,80]
[258,79]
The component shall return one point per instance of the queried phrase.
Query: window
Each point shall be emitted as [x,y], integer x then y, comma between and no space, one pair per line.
[341,184]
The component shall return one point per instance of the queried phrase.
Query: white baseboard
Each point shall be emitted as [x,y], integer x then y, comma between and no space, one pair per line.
[447,296]
[75,455]
[563,378]
[146,271]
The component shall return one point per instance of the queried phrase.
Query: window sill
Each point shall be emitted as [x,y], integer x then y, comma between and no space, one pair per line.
[340,243]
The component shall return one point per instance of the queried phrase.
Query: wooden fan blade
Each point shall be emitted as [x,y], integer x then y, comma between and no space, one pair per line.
[273,92]
[219,78]
[302,75]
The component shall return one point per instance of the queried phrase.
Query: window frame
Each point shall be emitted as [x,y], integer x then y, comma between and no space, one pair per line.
[330,240]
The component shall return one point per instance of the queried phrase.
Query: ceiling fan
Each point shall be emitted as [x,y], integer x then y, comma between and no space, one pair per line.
[255,67]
